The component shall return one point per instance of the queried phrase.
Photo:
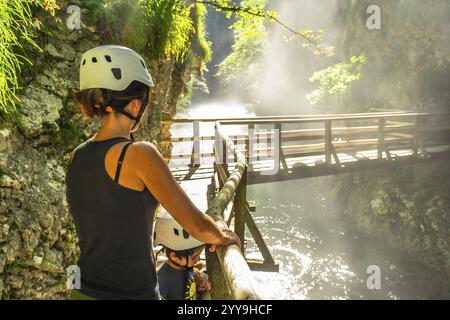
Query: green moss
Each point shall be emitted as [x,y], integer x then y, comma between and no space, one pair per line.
[71,226]
[15,266]
[200,28]
[155,27]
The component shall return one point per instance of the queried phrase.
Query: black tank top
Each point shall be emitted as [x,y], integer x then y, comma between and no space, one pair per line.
[114,226]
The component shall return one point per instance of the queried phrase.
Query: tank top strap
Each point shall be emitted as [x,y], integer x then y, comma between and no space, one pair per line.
[119,164]
[100,148]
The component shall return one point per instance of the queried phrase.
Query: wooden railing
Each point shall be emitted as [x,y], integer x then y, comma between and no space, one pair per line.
[233,266]
[357,132]
[228,269]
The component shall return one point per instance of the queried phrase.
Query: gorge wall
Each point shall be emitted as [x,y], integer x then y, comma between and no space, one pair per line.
[37,235]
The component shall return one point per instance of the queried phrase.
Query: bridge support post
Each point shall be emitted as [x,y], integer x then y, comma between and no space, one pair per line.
[416,136]
[418,142]
[280,147]
[195,158]
[380,145]
[328,142]
[249,146]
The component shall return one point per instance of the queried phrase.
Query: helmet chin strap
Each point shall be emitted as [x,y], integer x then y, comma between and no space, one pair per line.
[185,267]
[128,115]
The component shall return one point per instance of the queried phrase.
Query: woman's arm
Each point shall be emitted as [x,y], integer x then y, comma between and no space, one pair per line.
[155,174]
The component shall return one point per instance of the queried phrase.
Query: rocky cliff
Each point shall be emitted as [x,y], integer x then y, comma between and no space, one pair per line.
[37,236]
[408,208]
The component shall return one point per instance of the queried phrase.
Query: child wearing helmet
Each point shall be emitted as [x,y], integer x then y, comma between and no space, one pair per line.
[177,278]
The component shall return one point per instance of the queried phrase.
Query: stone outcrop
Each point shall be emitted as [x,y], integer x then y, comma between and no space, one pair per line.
[37,236]
[407,207]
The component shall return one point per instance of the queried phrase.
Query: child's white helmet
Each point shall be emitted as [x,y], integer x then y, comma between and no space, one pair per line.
[169,233]
[112,67]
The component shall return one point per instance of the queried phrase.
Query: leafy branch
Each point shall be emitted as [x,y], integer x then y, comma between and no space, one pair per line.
[310,36]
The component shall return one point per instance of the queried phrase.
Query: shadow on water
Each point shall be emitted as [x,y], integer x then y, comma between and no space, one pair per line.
[322,257]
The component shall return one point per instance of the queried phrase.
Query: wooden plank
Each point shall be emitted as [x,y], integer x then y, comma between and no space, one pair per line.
[317,171]
[380,138]
[223,173]
[323,118]
[259,240]
[259,265]
[314,117]
[300,134]
[401,135]
[421,144]
[280,146]
[403,123]
[311,134]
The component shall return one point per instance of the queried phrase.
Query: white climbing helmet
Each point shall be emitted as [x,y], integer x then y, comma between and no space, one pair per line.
[169,233]
[112,67]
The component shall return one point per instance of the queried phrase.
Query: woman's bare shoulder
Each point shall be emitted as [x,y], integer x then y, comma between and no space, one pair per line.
[145,151]
[147,160]
[144,147]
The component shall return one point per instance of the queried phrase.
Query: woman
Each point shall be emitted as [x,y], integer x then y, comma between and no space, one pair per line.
[115,184]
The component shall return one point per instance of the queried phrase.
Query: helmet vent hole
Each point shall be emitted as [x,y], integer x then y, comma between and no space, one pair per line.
[108,58]
[117,73]
[185,234]
[143,64]
[84,62]
[94,59]
[176,231]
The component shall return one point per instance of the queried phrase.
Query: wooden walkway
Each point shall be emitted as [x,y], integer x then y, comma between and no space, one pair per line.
[357,142]
[271,149]
[313,166]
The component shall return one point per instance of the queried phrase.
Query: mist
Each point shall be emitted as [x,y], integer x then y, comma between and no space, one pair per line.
[407,68]
[408,59]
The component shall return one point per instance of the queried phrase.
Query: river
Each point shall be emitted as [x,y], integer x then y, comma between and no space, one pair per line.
[320,255]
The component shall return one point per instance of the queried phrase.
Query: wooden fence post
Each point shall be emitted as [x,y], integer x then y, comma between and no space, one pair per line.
[249,145]
[416,136]
[381,124]
[280,146]
[195,158]
[328,143]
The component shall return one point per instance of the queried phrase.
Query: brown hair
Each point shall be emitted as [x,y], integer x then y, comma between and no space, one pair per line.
[90,98]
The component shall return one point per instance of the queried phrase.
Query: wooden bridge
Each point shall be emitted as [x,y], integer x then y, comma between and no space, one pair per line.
[269,149]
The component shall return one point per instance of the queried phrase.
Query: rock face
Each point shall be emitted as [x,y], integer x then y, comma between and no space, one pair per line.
[36,233]
[37,236]
[407,207]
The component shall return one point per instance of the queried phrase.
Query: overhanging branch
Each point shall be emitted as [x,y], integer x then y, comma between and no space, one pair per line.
[258,13]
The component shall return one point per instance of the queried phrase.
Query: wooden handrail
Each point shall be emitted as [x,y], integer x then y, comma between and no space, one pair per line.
[300,133]
[171,121]
[328,118]
[234,267]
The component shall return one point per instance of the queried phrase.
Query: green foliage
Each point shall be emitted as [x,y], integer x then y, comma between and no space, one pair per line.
[314,37]
[16,33]
[186,97]
[250,35]
[15,266]
[201,33]
[69,132]
[169,26]
[250,39]
[335,80]
[156,27]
